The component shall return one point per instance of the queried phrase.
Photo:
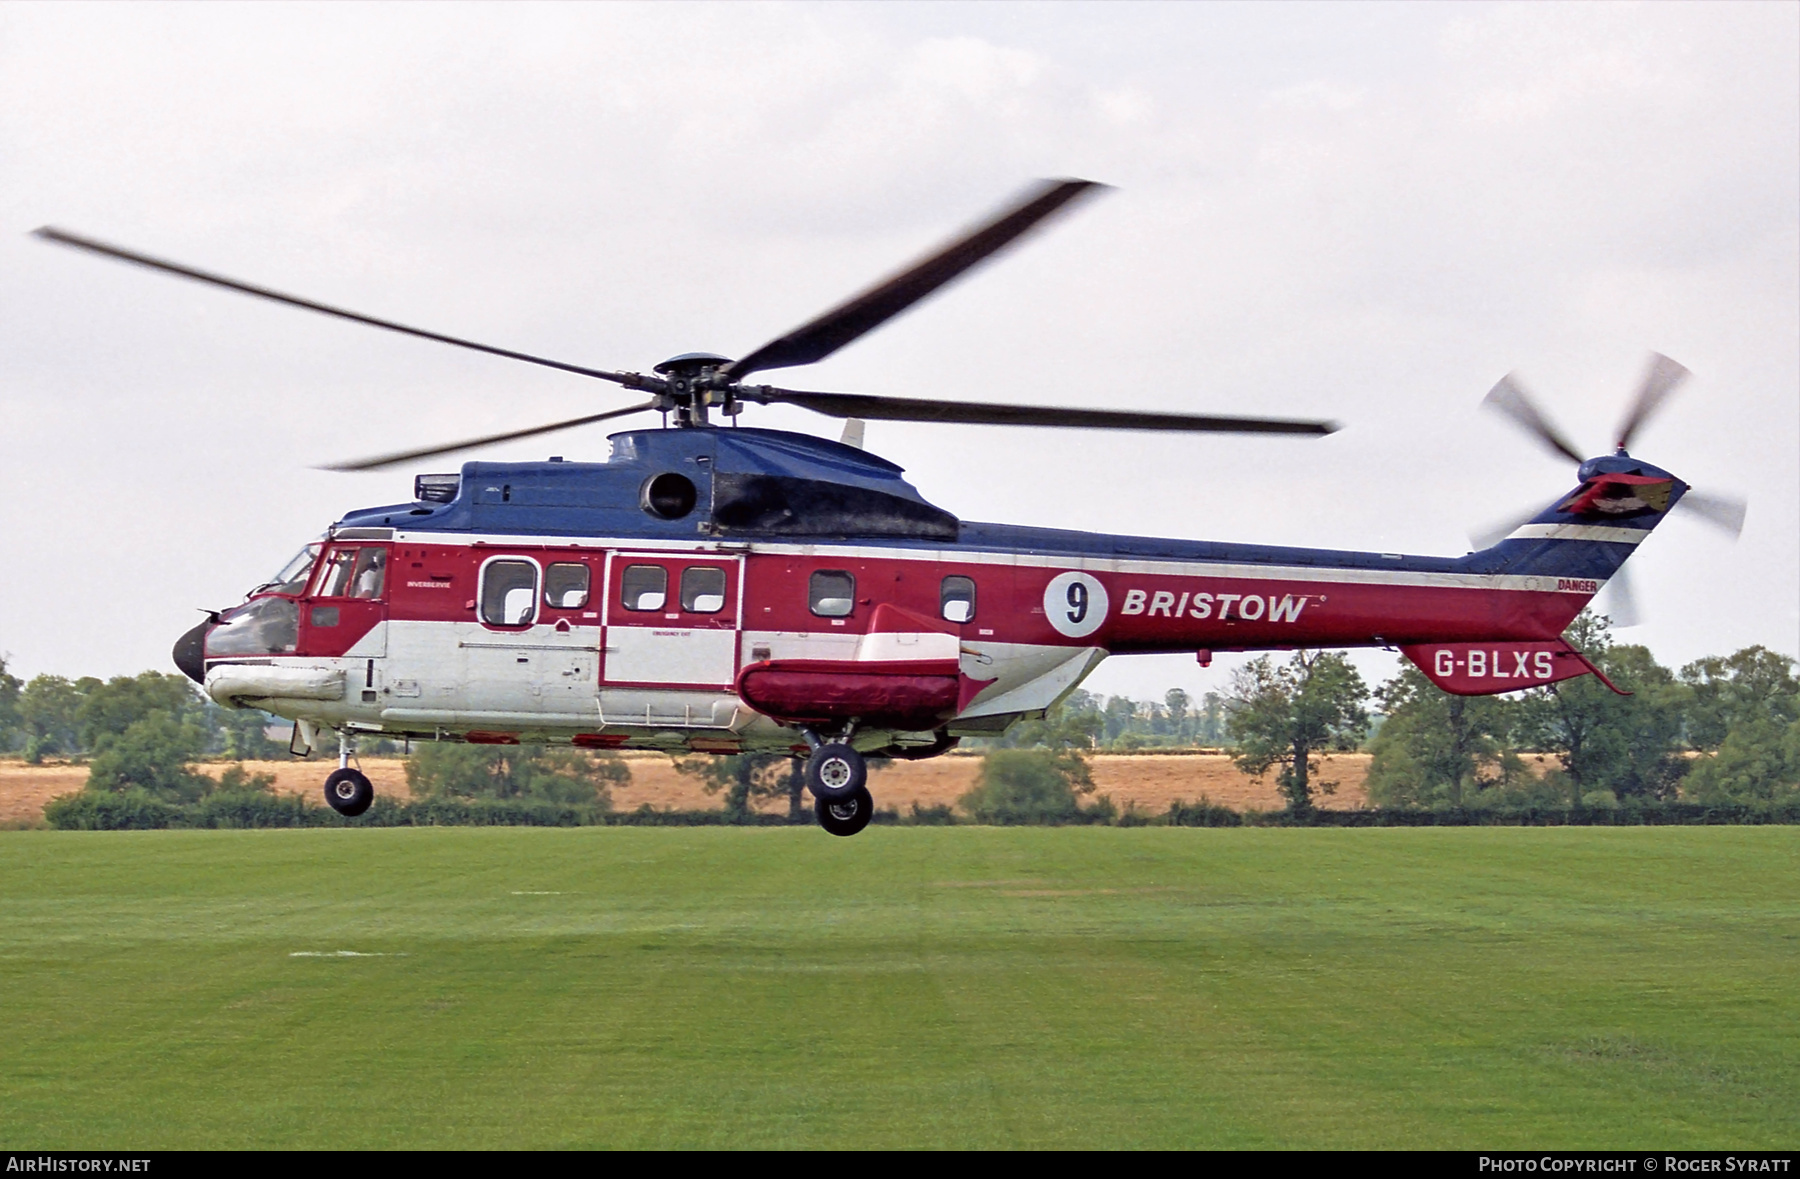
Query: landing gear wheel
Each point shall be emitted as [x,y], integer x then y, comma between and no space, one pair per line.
[349,792]
[845,816]
[835,772]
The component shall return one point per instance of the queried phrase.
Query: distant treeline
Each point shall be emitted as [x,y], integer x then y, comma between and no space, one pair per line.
[228,809]
[1723,730]
[56,717]
[1717,741]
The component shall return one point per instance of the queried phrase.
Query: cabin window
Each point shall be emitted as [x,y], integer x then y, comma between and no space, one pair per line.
[566,586]
[702,589]
[956,599]
[509,593]
[831,593]
[644,587]
[354,573]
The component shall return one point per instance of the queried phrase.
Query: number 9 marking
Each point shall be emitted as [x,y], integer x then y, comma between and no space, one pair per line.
[1075,604]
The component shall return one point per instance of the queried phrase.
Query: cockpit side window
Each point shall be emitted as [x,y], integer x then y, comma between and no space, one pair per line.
[353,573]
[334,578]
[294,575]
[370,574]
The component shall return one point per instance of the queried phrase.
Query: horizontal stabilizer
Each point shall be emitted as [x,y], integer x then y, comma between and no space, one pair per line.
[1487,669]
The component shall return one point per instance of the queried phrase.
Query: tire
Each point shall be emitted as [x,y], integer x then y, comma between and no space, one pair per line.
[846,816]
[349,792]
[835,771]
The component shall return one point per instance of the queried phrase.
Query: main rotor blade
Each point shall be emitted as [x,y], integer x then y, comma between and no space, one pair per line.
[1662,379]
[1508,397]
[388,460]
[818,339]
[969,413]
[1721,511]
[64,238]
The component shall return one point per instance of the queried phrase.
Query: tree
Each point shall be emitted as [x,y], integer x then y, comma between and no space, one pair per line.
[1210,728]
[235,780]
[1119,713]
[50,714]
[1019,786]
[748,776]
[1286,715]
[116,705]
[240,734]
[1436,747]
[1754,683]
[9,706]
[151,755]
[1610,746]
[1758,761]
[556,774]
[1176,703]
[1076,723]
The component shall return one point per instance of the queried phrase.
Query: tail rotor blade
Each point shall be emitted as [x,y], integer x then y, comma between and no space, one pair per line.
[1662,379]
[1487,538]
[1723,512]
[1508,397]
[1621,602]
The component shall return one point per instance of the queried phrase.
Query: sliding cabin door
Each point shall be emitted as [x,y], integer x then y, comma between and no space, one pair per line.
[672,621]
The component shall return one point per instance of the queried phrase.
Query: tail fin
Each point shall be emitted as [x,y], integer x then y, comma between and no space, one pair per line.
[1588,533]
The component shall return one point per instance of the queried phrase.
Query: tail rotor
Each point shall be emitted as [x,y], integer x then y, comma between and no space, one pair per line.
[1662,378]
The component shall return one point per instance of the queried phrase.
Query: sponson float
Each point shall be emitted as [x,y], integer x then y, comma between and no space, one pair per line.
[735,589]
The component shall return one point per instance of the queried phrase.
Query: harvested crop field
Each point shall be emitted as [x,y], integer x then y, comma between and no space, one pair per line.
[1152,781]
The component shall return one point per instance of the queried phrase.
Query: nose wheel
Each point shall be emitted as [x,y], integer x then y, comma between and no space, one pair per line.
[349,792]
[847,815]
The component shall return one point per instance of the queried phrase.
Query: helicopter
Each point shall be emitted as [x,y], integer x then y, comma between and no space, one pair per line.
[720,590]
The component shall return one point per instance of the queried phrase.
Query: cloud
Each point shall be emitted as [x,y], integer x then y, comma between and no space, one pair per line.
[1365,213]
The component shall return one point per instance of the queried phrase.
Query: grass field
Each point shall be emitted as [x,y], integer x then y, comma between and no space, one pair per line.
[1491,987]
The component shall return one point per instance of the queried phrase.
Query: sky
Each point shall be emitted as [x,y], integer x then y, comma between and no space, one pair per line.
[1362,212]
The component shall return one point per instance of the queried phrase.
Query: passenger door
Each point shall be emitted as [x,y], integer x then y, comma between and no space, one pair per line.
[671,621]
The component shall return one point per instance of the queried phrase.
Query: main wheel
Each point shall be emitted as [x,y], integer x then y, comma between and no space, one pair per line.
[845,816]
[835,771]
[349,792]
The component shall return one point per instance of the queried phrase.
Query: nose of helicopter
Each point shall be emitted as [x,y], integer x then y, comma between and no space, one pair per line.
[190,652]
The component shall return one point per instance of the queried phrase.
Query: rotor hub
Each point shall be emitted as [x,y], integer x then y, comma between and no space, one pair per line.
[691,364]
[691,383]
